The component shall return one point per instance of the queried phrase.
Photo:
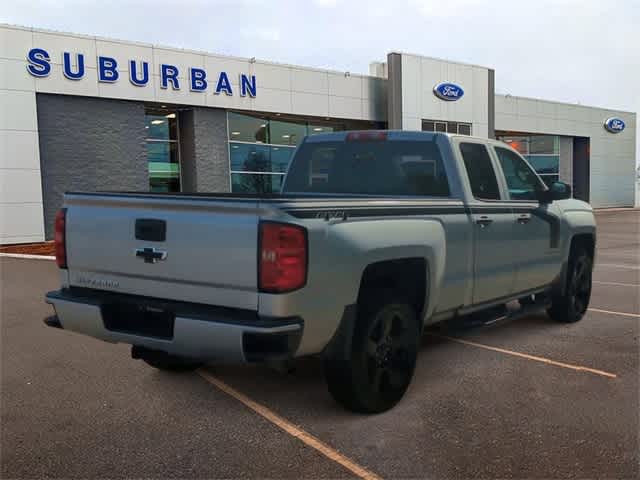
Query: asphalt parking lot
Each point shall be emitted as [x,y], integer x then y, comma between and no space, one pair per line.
[527,398]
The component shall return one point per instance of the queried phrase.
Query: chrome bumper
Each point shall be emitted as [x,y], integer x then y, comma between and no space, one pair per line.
[210,334]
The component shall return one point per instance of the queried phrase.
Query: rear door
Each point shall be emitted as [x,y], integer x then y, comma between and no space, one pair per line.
[493,225]
[191,249]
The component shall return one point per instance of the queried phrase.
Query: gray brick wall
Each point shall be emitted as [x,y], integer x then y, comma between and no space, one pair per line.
[205,150]
[89,144]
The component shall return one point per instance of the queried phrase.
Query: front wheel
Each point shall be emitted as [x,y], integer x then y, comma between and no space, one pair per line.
[383,356]
[572,306]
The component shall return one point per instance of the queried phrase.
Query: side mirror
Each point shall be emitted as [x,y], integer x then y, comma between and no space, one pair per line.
[556,191]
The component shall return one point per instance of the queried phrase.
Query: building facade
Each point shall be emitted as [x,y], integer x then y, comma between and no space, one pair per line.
[86,113]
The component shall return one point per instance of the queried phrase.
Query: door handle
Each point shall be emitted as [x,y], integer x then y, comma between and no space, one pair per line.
[524,218]
[484,221]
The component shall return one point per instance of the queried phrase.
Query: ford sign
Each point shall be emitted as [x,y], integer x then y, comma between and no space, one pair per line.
[614,124]
[448,91]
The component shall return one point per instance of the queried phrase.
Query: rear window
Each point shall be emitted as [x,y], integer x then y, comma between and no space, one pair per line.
[368,167]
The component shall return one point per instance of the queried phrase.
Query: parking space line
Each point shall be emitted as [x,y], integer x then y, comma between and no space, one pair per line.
[611,312]
[617,265]
[526,356]
[291,429]
[637,285]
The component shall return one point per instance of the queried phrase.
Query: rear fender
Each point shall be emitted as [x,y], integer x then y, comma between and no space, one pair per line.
[339,253]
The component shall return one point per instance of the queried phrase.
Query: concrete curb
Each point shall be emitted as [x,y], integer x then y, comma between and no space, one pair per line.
[616,209]
[26,256]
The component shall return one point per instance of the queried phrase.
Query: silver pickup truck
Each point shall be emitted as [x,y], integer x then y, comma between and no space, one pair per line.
[374,236]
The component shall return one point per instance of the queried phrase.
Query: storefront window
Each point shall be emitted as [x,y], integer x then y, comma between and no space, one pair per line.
[541,151]
[261,146]
[287,133]
[163,155]
[243,128]
[446,127]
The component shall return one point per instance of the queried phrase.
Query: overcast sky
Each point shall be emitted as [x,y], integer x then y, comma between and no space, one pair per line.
[582,51]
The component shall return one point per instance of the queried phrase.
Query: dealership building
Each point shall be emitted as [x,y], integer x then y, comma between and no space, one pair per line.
[87,113]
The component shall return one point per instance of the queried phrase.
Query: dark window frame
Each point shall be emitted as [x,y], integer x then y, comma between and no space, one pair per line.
[493,166]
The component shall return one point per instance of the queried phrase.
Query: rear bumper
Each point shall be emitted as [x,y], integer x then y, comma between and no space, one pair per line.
[202,332]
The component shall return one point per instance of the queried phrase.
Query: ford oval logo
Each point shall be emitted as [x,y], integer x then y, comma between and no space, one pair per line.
[614,124]
[448,91]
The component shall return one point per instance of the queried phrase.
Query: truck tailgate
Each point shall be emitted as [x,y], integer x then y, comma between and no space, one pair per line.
[208,253]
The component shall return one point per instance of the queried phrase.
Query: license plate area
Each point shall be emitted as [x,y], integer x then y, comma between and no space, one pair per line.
[136,319]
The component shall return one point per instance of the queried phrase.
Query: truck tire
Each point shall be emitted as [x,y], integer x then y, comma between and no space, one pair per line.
[383,352]
[164,361]
[572,305]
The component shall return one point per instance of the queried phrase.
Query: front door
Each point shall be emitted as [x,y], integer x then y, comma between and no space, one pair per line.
[537,227]
[493,230]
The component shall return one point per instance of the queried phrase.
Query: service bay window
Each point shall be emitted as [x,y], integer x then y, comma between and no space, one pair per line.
[163,152]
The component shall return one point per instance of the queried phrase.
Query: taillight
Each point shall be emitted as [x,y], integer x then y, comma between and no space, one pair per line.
[282,265]
[60,238]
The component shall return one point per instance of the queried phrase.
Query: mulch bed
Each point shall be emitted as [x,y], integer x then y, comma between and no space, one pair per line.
[44,248]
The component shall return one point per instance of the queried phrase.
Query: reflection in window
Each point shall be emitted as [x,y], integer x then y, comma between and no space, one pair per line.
[287,133]
[161,129]
[249,157]
[318,129]
[261,147]
[244,128]
[255,183]
[410,168]
[521,181]
[541,151]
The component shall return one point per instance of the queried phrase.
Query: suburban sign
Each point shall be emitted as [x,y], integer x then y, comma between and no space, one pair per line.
[448,91]
[614,124]
[109,71]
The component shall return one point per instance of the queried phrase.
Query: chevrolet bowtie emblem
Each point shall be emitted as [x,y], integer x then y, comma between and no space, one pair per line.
[151,255]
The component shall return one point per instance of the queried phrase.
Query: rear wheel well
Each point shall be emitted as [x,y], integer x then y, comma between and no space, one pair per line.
[406,276]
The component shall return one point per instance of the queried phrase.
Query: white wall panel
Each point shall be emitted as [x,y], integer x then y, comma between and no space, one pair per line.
[19,149]
[15,42]
[180,59]
[184,95]
[272,100]
[21,222]
[126,90]
[345,86]
[124,52]
[310,81]
[310,104]
[345,107]
[272,76]
[20,186]
[14,76]
[612,156]
[18,110]
[419,77]
[56,44]
[56,82]
[228,101]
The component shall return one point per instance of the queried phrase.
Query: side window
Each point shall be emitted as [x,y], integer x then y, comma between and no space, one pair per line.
[482,177]
[521,181]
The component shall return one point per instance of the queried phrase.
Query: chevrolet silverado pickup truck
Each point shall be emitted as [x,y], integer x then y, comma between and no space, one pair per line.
[374,236]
